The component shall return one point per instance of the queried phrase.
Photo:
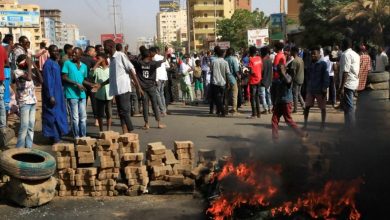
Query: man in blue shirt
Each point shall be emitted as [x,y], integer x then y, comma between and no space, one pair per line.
[317,85]
[74,74]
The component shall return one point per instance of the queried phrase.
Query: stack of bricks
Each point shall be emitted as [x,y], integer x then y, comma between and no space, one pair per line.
[66,166]
[108,163]
[167,173]
[85,181]
[184,151]
[155,155]
[85,151]
[134,170]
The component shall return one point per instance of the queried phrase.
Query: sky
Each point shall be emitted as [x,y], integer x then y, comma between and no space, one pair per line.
[94,17]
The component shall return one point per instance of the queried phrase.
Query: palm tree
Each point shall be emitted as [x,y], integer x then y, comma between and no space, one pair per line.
[367,18]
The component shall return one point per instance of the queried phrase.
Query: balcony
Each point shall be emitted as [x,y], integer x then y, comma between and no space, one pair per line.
[211,7]
[206,19]
[204,31]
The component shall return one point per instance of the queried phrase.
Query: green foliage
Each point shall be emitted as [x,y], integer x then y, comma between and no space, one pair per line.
[314,16]
[235,28]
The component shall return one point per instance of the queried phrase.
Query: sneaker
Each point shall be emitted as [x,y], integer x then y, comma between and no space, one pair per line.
[265,112]
[251,117]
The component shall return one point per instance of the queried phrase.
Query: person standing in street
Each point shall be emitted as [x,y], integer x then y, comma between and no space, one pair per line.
[266,80]
[297,72]
[120,83]
[219,82]
[282,101]
[382,60]
[317,85]
[74,76]
[365,68]
[198,80]
[26,99]
[331,66]
[255,71]
[42,55]
[147,73]
[161,78]
[99,74]
[88,58]
[3,63]
[349,72]
[233,77]
[186,87]
[54,114]
[68,50]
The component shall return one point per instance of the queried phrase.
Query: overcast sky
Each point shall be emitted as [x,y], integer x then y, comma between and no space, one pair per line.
[94,17]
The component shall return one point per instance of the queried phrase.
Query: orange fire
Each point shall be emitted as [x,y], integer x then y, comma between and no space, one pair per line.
[247,180]
[255,184]
[335,197]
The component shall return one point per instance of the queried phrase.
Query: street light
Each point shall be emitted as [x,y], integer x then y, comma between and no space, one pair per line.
[215,22]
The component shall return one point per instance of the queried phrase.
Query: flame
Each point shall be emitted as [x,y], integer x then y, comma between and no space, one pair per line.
[335,197]
[253,184]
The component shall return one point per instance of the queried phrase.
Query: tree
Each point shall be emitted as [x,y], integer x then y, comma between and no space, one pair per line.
[368,19]
[314,16]
[235,29]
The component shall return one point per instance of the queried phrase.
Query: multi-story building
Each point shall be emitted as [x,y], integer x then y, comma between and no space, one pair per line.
[70,34]
[49,30]
[293,10]
[243,4]
[21,20]
[168,24]
[53,14]
[203,17]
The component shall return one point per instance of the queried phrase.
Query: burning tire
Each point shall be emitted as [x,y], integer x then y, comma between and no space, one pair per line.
[379,86]
[374,95]
[27,164]
[378,77]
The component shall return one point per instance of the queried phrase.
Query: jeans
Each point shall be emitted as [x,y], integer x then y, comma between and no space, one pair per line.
[297,96]
[3,115]
[234,90]
[332,90]
[151,94]
[134,100]
[255,99]
[78,116]
[265,96]
[284,110]
[124,110]
[217,94]
[161,96]
[349,108]
[27,123]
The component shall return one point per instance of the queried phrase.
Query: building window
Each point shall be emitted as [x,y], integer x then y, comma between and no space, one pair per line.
[206,26]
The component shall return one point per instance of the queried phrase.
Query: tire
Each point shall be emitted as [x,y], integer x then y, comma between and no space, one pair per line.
[374,95]
[377,77]
[379,86]
[27,164]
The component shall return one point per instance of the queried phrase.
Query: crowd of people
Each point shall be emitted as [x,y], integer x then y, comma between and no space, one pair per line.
[272,80]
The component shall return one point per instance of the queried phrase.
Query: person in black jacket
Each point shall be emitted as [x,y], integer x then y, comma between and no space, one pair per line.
[265,85]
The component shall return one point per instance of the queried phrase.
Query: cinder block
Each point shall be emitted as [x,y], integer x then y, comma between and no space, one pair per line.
[129,137]
[154,163]
[156,148]
[86,141]
[183,144]
[133,157]
[170,158]
[83,148]
[63,147]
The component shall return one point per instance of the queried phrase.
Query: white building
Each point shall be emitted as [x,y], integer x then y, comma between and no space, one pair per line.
[49,27]
[168,25]
[70,34]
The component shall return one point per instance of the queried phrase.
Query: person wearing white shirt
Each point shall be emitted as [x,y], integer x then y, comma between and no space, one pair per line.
[186,71]
[349,71]
[382,61]
[332,85]
[120,84]
[161,78]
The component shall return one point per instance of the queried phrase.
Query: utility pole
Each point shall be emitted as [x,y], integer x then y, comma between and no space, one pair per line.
[189,28]
[114,7]
[215,22]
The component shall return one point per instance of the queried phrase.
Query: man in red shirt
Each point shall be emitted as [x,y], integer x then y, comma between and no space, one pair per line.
[256,67]
[280,58]
[3,62]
